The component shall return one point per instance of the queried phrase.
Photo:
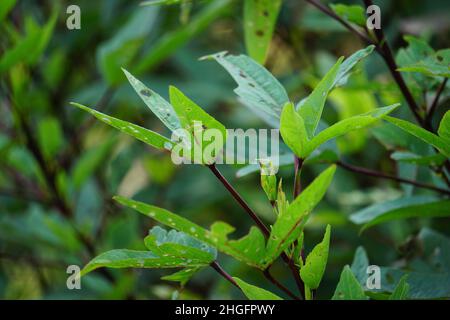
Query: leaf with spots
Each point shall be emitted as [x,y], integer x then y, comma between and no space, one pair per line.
[310,108]
[257,88]
[149,137]
[348,287]
[316,261]
[124,258]
[249,249]
[289,224]
[260,17]
[160,107]
[255,293]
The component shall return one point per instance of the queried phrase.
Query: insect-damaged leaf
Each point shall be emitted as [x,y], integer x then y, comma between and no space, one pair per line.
[149,137]
[249,249]
[289,224]
[259,22]
[257,88]
[316,262]
[254,293]
[160,107]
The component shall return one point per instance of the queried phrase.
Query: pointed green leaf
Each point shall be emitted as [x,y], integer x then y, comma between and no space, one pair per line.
[258,89]
[5,8]
[123,258]
[259,22]
[249,249]
[349,64]
[182,276]
[444,127]
[310,109]
[401,291]
[293,131]
[268,180]
[149,137]
[254,293]
[409,157]
[289,225]
[441,144]
[347,125]
[352,13]
[348,287]
[160,107]
[316,262]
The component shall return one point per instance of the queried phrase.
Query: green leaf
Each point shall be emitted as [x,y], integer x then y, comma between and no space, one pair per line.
[409,157]
[5,7]
[149,137]
[248,249]
[172,41]
[160,2]
[348,287]
[403,208]
[123,258]
[259,23]
[316,262]
[182,276]
[347,125]
[50,137]
[254,293]
[293,131]
[349,64]
[289,225]
[444,127]
[422,134]
[401,290]
[352,13]
[310,108]
[268,180]
[434,65]
[257,88]
[160,107]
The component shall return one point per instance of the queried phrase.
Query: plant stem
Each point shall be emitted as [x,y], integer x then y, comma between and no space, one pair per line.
[382,175]
[435,102]
[240,200]
[216,266]
[279,285]
[298,164]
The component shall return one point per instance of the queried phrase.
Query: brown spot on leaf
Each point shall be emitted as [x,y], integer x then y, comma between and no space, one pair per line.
[259,33]
[146,92]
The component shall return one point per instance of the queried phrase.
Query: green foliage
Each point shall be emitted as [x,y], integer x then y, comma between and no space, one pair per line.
[259,22]
[401,290]
[316,261]
[254,293]
[348,287]
[352,13]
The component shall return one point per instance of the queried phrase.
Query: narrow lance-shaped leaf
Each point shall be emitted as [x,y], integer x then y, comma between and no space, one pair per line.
[257,88]
[439,143]
[310,108]
[293,131]
[289,224]
[347,125]
[348,287]
[160,107]
[249,249]
[124,258]
[444,127]
[316,262]
[254,293]
[149,137]
[259,22]
[349,63]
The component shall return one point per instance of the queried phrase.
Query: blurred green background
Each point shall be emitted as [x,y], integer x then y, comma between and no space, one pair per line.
[59,168]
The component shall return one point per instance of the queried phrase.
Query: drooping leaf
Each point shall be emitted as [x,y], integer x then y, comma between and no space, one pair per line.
[352,13]
[422,134]
[348,287]
[149,137]
[160,107]
[257,88]
[259,22]
[123,258]
[401,291]
[310,108]
[288,226]
[347,125]
[254,293]
[403,208]
[249,249]
[316,261]
[182,276]
[293,131]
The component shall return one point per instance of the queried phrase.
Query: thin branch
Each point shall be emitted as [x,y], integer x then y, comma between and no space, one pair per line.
[382,175]
[216,266]
[279,285]
[435,102]
[298,163]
